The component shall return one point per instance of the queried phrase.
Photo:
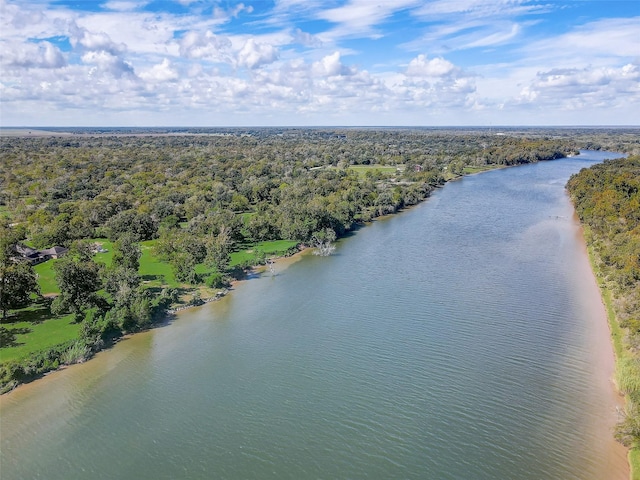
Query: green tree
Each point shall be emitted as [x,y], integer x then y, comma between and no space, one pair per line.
[126,253]
[122,284]
[17,283]
[141,225]
[17,279]
[219,250]
[78,281]
[183,267]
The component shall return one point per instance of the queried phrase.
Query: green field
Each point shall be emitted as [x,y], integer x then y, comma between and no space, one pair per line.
[4,212]
[40,332]
[46,277]
[270,248]
[154,272]
[363,169]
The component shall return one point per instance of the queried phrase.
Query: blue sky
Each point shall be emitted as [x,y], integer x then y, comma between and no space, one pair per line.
[319,62]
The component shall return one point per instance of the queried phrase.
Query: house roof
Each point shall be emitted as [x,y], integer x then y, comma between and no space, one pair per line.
[54,251]
[24,250]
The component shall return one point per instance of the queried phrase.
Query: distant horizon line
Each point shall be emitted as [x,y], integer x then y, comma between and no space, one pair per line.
[41,127]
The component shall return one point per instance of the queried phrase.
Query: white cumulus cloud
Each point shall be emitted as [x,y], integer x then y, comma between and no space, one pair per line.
[590,86]
[94,41]
[33,55]
[205,45]
[421,66]
[108,63]
[254,54]
[161,72]
[331,65]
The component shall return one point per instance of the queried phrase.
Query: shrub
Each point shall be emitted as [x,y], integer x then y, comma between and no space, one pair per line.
[217,280]
[76,353]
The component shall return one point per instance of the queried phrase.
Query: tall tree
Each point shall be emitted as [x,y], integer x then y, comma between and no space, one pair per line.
[219,250]
[78,280]
[17,283]
[126,253]
[17,279]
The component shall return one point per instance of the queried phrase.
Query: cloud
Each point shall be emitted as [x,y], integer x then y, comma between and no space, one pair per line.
[33,55]
[358,17]
[161,72]
[574,88]
[474,9]
[423,67]
[253,54]
[503,34]
[19,18]
[306,39]
[94,41]
[226,14]
[108,63]
[331,66]
[468,34]
[456,25]
[603,40]
[205,45]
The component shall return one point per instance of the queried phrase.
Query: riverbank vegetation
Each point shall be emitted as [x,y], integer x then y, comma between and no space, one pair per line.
[159,218]
[607,200]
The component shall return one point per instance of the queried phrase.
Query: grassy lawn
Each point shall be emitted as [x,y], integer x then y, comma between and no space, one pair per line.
[103,257]
[38,332]
[46,277]
[4,212]
[363,169]
[274,247]
[154,272]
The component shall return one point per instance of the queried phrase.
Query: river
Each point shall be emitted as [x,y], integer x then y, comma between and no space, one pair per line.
[461,339]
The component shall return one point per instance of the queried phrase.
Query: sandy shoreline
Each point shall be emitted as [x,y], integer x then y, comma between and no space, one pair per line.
[601,344]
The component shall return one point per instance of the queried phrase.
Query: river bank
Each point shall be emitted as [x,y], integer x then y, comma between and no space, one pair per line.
[615,337]
[605,347]
[610,231]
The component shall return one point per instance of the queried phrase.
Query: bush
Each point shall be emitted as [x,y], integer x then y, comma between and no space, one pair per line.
[13,373]
[628,377]
[77,353]
[217,280]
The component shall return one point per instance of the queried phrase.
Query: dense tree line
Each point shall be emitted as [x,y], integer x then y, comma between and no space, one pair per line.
[607,200]
[63,189]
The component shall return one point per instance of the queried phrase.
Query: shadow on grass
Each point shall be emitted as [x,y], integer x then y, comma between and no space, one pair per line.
[8,336]
[151,278]
[154,290]
[35,314]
